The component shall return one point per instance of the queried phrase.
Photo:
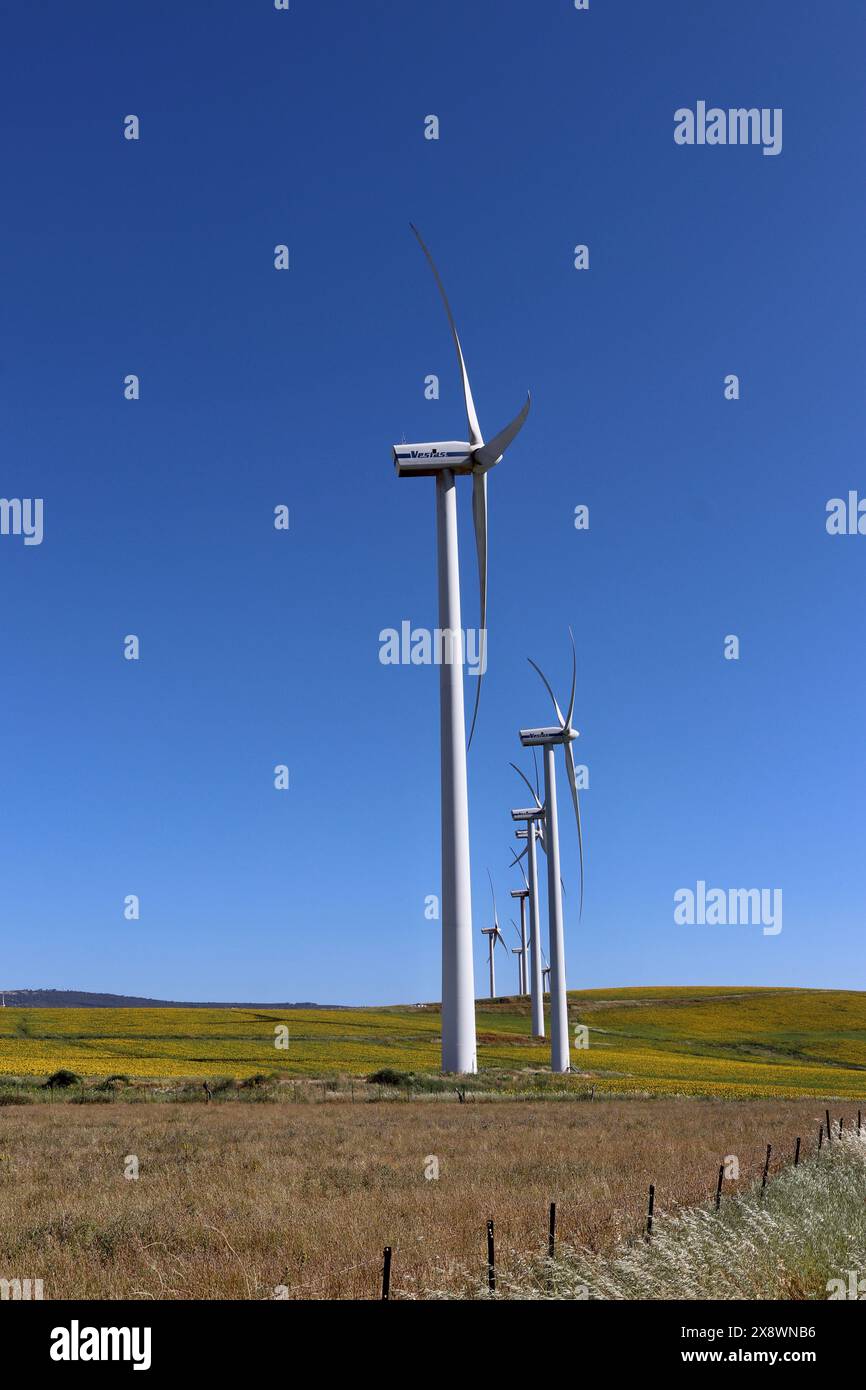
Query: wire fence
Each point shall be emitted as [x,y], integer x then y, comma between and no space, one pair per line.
[495,1254]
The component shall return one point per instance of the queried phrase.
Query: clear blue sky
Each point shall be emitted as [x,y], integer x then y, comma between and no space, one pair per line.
[259,387]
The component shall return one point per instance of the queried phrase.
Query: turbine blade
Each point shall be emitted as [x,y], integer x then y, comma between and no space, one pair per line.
[492,451]
[532,793]
[573,679]
[475,436]
[516,861]
[479,516]
[572,782]
[549,691]
[493,896]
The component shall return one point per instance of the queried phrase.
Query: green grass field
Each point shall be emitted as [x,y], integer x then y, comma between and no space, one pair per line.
[667,1041]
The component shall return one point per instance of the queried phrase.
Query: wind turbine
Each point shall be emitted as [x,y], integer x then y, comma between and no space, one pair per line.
[522,894]
[532,816]
[533,819]
[493,935]
[444,462]
[520,951]
[548,739]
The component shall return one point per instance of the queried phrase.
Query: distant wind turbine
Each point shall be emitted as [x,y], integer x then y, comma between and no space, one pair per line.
[444,461]
[522,894]
[533,818]
[493,935]
[520,951]
[549,738]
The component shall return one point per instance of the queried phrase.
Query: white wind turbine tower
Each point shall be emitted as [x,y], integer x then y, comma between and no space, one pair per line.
[548,739]
[444,462]
[493,935]
[515,951]
[520,951]
[532,817]
[521,894]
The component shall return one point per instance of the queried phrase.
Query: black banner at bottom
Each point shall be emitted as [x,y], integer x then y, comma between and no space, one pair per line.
[81,1339]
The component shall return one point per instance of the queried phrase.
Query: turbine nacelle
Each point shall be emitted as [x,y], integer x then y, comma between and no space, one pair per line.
[546,738]
[528,813]
[520,892]
[494,933]
[426,460]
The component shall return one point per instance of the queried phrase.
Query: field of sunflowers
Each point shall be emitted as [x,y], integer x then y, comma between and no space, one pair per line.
[718,1042]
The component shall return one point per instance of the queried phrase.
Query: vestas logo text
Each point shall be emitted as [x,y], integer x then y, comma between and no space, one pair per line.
[77,1343]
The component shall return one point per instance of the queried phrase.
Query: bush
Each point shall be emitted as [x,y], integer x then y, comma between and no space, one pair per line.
[62,1079]
[388,1077]
[114,1083]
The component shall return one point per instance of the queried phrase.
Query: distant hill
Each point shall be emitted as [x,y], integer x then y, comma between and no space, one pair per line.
[82,999]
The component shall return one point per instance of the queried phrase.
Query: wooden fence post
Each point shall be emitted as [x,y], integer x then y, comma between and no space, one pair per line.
[491,1260]
[551,1232]
[766,1167]
[719,1185]
[386,1274]
[649,1214]
[829,1135]
[820,1135]
[797,1153]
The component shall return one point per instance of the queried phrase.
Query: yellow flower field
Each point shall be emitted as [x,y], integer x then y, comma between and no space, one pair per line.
[678,1041]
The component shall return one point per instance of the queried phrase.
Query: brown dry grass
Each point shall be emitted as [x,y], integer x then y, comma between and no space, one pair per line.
[234,1200]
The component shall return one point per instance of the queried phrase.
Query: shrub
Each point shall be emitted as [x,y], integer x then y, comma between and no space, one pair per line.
[388,1077]
[62,1079]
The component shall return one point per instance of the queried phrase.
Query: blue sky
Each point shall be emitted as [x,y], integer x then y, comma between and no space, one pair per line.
[258,387]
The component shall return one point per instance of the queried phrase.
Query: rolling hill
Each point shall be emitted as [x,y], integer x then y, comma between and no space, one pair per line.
[732,1042]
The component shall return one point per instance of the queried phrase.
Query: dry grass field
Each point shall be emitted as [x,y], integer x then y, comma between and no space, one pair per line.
[234,1200]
